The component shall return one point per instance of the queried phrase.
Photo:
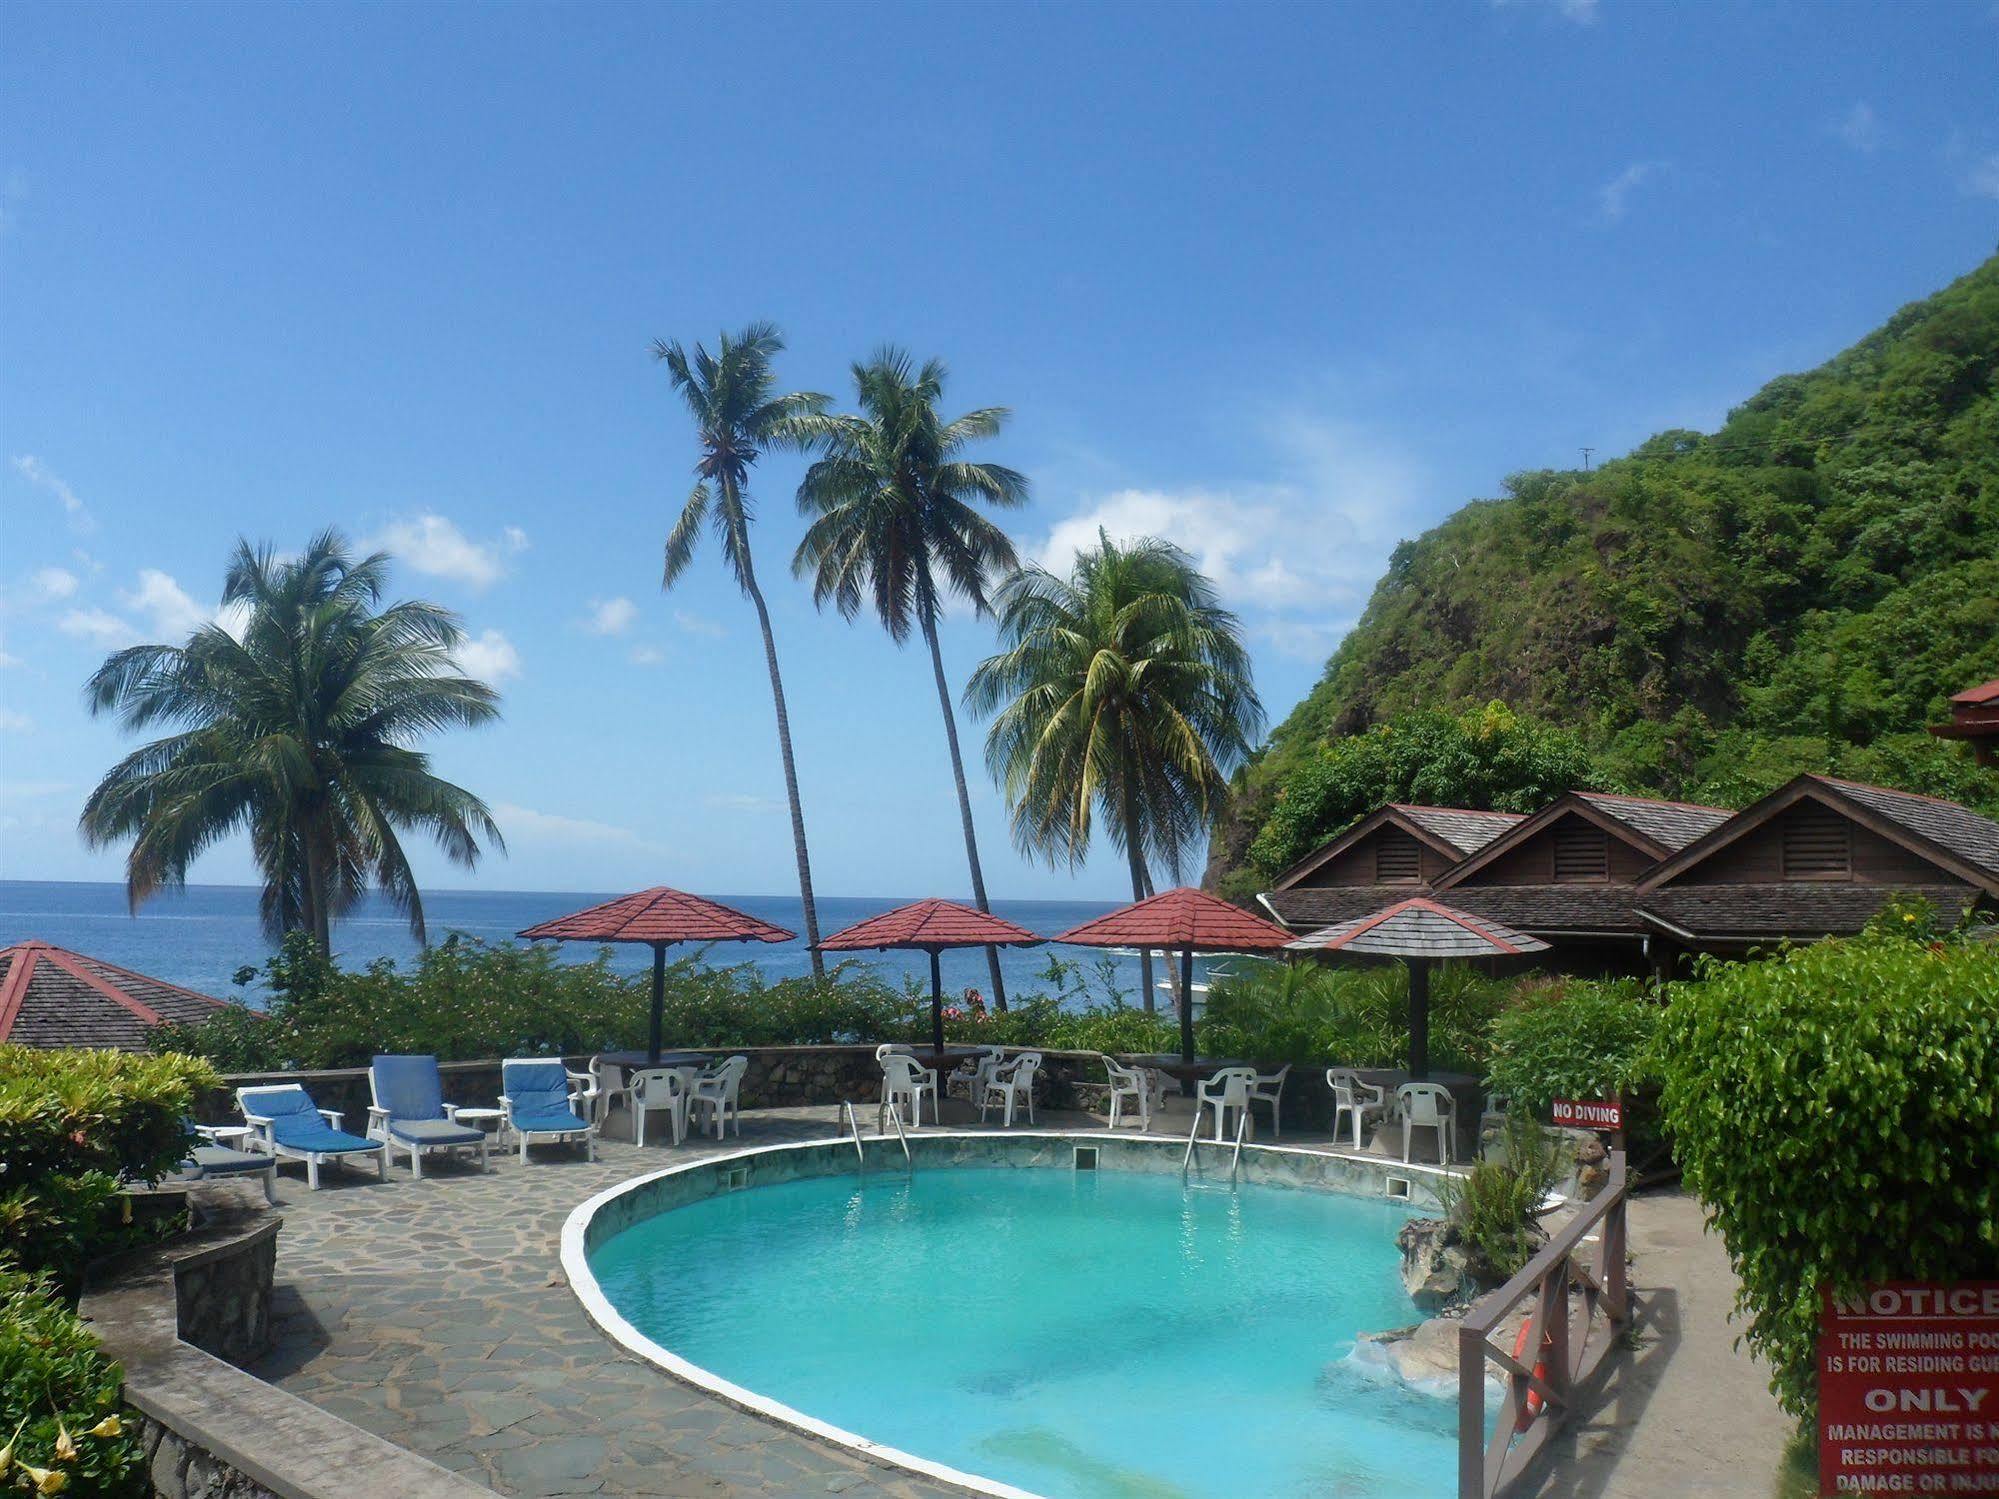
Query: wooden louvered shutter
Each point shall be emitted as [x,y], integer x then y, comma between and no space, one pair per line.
[1818,844]
[1398,858]
[1582,852]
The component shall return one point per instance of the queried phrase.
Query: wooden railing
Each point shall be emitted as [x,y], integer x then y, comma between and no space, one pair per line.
[1563,1348]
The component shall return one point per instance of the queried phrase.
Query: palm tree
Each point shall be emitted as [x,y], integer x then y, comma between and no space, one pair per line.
[738,413]
[895,520]
[1123,692]
[298,734]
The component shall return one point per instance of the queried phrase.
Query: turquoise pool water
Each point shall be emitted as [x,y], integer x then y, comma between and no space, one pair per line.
[1085,1335]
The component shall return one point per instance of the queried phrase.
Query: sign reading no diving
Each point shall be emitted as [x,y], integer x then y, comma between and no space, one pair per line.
[1909,1390]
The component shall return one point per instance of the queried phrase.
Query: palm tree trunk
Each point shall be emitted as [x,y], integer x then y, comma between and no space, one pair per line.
[790,768]
[964,797]
[317,919]
[1140,888]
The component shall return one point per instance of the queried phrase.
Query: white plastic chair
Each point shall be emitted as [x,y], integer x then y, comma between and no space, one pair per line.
[1355,1100]
[974,1072]
[1428,1106]
[606,1088]
[1129,1083]
[654,1090]
[715,1093]
[1269,1088]
[905,1084]
[1227,1089]
[1010,1083]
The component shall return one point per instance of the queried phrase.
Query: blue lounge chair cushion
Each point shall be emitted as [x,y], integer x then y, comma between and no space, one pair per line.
[434,1132]
[548,1122]
[297,1125]
[219,1160]
[408,1087]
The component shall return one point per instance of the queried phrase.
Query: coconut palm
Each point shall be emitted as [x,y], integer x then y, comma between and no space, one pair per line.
[895,524]
[1122,692]
[298,734]
[738,414]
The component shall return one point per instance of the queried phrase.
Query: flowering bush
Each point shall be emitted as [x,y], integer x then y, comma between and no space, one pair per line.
[59,1400]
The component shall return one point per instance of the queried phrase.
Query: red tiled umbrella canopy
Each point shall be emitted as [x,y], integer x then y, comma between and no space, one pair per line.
[930,926]
[659,917]
[1419,931]
[1186,920]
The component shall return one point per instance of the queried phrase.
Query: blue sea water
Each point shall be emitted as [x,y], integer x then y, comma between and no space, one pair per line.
[1083,1335]
[201,936]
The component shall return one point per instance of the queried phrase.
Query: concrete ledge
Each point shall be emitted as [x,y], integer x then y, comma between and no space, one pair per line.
[211,1428]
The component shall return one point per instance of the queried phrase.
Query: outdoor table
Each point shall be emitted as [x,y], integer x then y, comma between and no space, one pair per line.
[481,1118]
[635,1061]
[1189,1073]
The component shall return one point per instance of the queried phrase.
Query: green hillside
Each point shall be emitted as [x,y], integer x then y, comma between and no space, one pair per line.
[1712,614]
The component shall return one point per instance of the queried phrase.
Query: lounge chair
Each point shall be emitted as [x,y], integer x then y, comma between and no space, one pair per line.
[540,1106]
[409,1112]
[290,1128]
[209,1158]
[717,1093]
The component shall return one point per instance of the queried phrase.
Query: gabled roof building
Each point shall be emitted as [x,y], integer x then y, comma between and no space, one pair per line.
[52,997]
[1394,852]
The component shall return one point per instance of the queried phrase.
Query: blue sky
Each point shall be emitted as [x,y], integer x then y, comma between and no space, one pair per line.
[1284,284]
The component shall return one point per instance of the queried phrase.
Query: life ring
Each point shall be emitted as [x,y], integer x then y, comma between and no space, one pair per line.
[1534,1402]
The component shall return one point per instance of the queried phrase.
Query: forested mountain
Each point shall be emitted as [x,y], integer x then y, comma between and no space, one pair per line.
[1709,614]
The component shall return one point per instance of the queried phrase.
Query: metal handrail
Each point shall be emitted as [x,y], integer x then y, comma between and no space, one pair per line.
[1193,1139]
[895,1113]
[1560,1352]
[854,1124]
[1241,1129]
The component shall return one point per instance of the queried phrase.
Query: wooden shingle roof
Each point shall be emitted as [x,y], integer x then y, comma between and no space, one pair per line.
[1453,832]
[1671,825]
[1421,928]
[52,997]
[1800,909]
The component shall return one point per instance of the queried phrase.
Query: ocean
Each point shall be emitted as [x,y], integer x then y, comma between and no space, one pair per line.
[201,936]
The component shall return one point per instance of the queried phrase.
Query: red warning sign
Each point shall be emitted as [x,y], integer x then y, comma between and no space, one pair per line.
[1909,1390]
[1587,1113]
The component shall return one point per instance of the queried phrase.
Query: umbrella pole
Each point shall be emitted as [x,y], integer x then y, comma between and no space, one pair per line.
[1187,1017]
[936,1002]
[658,1002]
[1419,1019]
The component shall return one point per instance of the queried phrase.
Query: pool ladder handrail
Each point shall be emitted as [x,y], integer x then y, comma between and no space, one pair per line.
[895,1114]
[854,1127]
[1194,1138]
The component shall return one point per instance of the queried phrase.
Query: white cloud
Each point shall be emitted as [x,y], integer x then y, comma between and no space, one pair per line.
[1295,556]
[524,823]
[741,801]
[7,659]
[647,655]
[37,473]
[611,616]
[434,545]
[1860,128]
[490,657]
[1614,197]
[1582,12]
[15,723]
[52,583]
[696,624]
[98,626]
[516,539]
[1981,178]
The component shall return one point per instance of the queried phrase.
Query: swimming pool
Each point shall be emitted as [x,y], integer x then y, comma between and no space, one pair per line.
[1077,1334]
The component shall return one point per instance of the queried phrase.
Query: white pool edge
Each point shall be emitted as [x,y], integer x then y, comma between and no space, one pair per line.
[576,1268]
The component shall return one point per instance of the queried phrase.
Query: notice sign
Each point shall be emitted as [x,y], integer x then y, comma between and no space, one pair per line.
[1588,1113]
[1909,1390]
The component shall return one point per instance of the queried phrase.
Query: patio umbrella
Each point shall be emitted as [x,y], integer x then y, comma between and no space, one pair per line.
[1190,921]
[1420,931]
[930,926]
[660,918]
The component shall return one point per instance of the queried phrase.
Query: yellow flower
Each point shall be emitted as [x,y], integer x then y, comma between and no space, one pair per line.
[7,1452]
[45,1480]
[1908,916]
[65,1444]
[110,1426]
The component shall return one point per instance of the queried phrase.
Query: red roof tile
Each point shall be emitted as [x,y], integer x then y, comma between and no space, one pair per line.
[1984,692]
[1419,928]
[1180,919]
[659,915]
[930,924]
[52,997]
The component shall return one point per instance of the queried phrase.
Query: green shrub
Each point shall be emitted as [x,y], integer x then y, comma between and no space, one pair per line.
[1495,1205]
[1833,1107]
[1573,1040]
[59,1398]
[1315,1015]
[72,1125]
